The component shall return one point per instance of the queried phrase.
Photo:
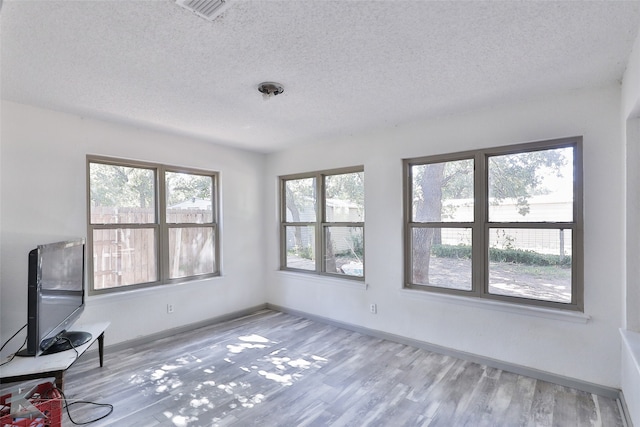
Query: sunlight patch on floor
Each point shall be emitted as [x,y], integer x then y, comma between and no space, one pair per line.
[239,348]
[254,338]
[282,379]
[280,367]
[180,420]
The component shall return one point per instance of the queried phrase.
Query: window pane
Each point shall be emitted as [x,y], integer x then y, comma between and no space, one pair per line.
[191,251]
[345,197]
[344,251]
[189,198]
[531,263]
[124,256]
[443,192]
[121,194]
[301,245]
[534,187]
[441,257]
[300,199]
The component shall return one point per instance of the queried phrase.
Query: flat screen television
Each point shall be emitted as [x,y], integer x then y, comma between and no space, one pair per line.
[55,297]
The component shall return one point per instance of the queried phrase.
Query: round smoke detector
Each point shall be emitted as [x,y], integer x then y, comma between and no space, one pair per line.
[270,89]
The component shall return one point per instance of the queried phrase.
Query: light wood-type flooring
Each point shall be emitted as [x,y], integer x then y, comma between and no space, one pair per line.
[276,369]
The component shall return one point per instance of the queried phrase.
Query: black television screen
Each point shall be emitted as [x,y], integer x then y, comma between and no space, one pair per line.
[55,297]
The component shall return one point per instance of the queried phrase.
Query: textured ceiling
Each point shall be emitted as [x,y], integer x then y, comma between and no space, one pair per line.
[347,66]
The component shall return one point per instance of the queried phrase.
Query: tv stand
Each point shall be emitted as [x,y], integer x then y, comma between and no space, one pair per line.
[53,365]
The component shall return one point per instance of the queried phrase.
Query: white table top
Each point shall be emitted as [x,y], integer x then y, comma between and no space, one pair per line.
[52,362]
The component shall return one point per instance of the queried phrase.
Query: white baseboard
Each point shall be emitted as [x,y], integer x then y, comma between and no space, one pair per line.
[630,375]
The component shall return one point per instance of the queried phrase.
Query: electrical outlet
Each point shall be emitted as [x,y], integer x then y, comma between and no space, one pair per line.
[169,308]
[373,308]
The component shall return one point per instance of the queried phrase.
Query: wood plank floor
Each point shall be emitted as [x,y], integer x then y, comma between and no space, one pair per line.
[275,369]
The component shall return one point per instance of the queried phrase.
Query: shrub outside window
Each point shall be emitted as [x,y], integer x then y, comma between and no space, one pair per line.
[502,223]
[149,224]
[323,213]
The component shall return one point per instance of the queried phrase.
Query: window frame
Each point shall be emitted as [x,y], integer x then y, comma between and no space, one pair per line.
[160,226]
[481,225]
[320,224]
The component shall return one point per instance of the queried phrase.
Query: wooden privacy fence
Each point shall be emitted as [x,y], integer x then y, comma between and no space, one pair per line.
[125,256]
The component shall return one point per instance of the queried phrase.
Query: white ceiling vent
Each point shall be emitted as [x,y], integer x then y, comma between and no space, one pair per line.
[207,9]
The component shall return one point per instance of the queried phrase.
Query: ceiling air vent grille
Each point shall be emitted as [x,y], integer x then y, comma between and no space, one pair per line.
[207,9]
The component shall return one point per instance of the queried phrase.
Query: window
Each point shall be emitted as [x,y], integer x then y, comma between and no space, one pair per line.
[150,224]
[323,213]
[502,223]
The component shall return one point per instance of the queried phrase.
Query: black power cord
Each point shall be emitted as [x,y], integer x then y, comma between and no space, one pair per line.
[72,346]
[8,341]
[80,423]
[66,404]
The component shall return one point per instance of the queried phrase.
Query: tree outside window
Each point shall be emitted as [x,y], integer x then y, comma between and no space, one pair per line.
[323,213]
[150,224]
[501,223]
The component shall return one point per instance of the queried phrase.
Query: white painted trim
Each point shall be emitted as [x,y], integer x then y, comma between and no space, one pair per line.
[486,304]
[624,410]
[127,294]
[630,375]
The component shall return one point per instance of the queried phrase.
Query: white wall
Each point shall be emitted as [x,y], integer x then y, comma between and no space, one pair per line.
[585,351]
[43,199]
[631,123]
[630,118]
[43,176]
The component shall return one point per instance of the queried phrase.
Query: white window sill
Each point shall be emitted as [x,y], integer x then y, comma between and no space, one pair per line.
[521,309]
[323,279]
[125,293]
